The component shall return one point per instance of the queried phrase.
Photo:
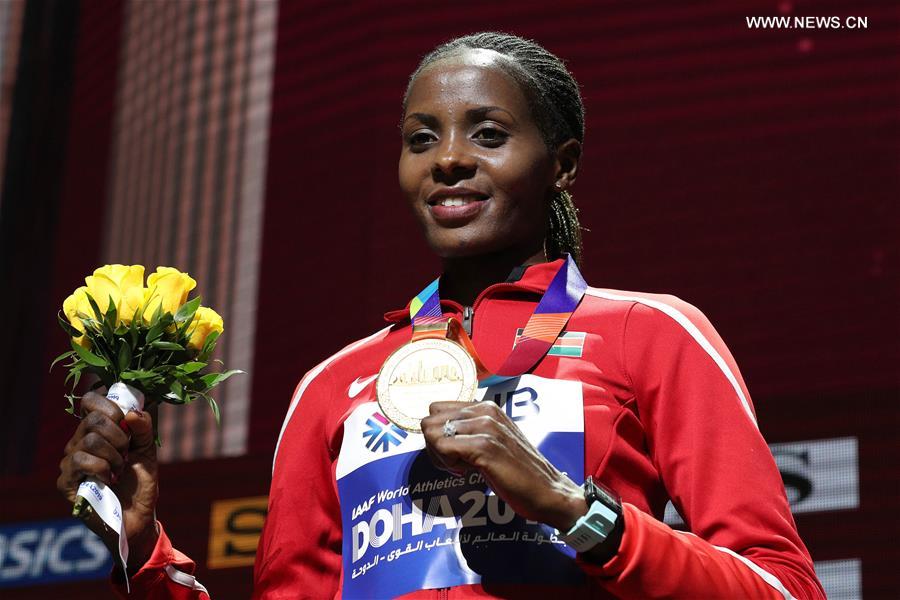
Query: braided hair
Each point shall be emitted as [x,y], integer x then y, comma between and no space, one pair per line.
[555,101]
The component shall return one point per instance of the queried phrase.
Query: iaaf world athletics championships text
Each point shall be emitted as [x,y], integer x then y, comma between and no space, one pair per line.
[794,22]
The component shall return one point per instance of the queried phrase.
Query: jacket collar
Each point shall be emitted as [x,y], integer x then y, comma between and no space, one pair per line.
[531,279]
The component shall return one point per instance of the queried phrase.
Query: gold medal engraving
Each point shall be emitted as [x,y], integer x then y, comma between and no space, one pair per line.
[422,372]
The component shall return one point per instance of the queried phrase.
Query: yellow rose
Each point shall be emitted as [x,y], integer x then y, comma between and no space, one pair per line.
[206,320]
[167,287]
[123,283]
[124,276]
[72,306]
[131,303]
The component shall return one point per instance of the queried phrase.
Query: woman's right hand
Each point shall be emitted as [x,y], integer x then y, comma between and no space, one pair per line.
[124,458]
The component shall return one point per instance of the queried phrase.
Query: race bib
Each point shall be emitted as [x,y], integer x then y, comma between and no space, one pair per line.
[409,526]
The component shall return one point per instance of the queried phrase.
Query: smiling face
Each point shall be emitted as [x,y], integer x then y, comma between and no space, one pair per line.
[473,165]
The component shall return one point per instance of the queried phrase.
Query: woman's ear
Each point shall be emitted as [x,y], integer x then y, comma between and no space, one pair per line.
[568,155]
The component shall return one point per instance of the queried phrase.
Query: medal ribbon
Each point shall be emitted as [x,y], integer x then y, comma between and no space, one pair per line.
[549,318]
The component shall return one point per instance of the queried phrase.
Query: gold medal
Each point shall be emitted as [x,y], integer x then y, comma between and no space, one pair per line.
[421,372]
[441,363]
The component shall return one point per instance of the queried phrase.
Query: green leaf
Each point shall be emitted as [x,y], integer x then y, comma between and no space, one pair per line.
[133,330]
[191,367]
[124,355]
[91,325]
[138,375]
[213,379]
[100,345]
[148,300]
[111,314]
[66,355]
[108,332]
[209,345]
[167,321]
[210,342]
[185,313]
[78,368]
[75,376]
[177,395]
[157,315]
[163,345]
[215,409]
[71,399]
[89,357]
[70,329]
[97,314]
[155,332]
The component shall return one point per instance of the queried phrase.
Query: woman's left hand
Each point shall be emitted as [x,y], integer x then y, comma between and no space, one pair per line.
[488,441]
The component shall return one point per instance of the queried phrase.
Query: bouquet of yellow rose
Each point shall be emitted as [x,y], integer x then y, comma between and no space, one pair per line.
[140,342]
[150,338]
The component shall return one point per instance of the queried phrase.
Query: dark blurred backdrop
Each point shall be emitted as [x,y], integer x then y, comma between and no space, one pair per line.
[751,171]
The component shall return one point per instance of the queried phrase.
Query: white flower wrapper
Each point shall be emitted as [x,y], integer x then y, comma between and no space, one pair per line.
[101,498]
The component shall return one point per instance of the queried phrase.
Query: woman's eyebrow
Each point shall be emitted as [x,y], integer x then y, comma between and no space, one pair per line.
[478,114]
[424,118]
[473,114]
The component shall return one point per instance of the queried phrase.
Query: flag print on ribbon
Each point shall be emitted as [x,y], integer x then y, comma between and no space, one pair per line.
[569,343]
[543,328]
[382,434]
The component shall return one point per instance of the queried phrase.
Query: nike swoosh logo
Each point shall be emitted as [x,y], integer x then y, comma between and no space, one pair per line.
[357,386]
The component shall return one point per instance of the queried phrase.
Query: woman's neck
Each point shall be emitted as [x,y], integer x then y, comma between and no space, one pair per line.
[465,277]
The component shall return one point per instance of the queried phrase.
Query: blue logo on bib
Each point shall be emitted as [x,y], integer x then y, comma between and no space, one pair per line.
[382,434]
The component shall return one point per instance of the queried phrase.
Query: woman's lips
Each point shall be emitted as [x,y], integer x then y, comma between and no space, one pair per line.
[454,211]
[455,206]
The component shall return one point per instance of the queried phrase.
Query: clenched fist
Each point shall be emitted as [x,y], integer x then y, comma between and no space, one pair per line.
[120,451]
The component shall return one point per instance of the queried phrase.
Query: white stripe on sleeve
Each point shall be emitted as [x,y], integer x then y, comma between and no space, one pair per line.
[182,578]
[682,319]
[312,375]
[763,574]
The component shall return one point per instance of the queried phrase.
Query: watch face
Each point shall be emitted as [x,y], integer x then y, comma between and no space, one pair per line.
[604,497]
[597,492]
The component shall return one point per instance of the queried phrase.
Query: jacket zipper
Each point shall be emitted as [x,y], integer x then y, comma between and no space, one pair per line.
[443,593]
[468,316]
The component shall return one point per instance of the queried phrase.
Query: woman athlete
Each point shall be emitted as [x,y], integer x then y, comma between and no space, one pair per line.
[635,390]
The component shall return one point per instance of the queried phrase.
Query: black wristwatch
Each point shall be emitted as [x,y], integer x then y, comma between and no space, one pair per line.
[604,516]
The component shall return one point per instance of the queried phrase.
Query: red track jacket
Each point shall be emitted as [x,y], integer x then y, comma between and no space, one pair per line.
[666,415]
